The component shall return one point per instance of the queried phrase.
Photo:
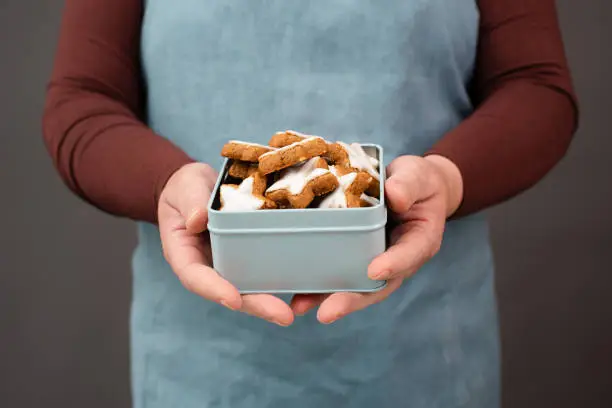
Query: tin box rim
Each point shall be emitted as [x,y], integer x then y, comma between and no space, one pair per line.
[295,220]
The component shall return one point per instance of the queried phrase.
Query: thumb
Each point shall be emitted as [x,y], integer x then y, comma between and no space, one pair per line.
[400,194]
[193,206]
[406,183]
[189,191]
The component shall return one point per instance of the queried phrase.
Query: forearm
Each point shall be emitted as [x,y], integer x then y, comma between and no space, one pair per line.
[526,110]
[509,144]
[106,155]
[92,120]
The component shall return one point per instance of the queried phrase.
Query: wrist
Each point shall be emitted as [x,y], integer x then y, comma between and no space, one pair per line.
[452,181]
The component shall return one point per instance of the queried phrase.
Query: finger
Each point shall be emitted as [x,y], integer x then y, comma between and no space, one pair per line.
[417,243]
[409,181]
[206,282]
[339,305]
[302,304]
[193,205]
[193,190]
[401,194]
[406,165]
[188,256]
[267,307]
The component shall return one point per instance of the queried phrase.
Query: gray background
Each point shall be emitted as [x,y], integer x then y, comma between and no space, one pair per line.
[64,267]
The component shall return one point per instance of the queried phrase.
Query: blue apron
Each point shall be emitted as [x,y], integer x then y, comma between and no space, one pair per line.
[393,72]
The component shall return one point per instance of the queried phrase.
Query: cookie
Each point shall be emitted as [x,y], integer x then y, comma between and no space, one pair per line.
[355,158]
[292,154]
[300,184]
[350,190]
[243,151]
[248,196]
[242,170]
[373,189]
[282,139]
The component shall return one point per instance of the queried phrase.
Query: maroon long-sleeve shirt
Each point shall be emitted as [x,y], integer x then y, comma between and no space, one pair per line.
[526,110]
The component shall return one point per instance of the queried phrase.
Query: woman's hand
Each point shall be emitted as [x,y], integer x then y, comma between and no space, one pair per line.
[421,193]
[183,219]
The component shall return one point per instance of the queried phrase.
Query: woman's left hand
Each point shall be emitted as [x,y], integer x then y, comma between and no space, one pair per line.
[421,193]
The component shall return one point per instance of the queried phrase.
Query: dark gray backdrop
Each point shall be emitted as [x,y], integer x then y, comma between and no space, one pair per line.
[64,267]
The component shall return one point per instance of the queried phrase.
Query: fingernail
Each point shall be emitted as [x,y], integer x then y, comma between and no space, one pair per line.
[379,275]
[300,313]
[333,320]
[278,322]
[224,303]
[195,214]
[191,216]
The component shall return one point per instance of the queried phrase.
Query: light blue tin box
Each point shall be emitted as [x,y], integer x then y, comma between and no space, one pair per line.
[299,250]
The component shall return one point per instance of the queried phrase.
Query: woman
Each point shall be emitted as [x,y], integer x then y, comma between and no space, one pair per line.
[472,101]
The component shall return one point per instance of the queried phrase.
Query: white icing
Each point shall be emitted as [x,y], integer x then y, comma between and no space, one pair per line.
[295,178]
[370,200]
[251,144]
[337,199]
[302,135]
[296,133]
[240,198]
[360,160]
[292,145]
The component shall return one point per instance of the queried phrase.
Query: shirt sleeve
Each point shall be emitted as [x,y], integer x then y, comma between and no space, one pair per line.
[92,122]
[526,110]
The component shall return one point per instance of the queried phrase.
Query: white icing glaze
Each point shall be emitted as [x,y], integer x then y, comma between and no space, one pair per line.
[296,133]
[370,200]
[373,161]
[240,198]
[251,144]
[359,159]
[307,140]
[300,134]
[295,178]
[334,170]
[337,199]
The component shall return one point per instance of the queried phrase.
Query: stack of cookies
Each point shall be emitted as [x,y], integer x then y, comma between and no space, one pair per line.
[298,171]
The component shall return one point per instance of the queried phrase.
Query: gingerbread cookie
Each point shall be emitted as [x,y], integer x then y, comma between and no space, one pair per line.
[243,151]
[248,196]
[355,158]
[299,185]
[292,154]
[282,139]
[349,193]
[242,170]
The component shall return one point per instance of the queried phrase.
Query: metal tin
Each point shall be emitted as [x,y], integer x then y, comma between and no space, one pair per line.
[299,250]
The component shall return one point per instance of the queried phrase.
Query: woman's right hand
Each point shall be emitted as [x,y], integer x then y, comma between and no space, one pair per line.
[183,218]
